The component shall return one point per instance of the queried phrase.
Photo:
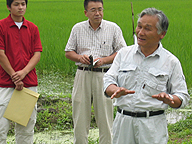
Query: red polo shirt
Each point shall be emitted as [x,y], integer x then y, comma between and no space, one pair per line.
[19,46]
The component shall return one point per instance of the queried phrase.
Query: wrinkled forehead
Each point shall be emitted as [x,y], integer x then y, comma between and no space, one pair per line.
[148,20]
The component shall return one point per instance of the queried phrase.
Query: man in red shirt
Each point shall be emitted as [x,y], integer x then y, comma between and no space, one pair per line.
[20,51]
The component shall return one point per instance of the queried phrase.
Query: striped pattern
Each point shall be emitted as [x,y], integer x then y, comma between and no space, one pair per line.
[103,42]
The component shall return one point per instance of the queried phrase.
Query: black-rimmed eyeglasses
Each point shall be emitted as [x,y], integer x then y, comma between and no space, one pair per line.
[94,10]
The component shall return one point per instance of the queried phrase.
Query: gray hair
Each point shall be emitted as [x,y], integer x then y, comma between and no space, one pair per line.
[162,24]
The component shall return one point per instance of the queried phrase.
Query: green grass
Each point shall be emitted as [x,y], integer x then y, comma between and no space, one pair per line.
[181,132]
[56,18]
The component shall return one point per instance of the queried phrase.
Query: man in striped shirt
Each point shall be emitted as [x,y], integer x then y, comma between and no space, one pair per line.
[100,39]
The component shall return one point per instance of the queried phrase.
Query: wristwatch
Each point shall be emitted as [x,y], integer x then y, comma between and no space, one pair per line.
[177,96]
[170,96]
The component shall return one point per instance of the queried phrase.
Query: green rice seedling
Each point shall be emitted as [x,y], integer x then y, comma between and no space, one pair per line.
[56,18]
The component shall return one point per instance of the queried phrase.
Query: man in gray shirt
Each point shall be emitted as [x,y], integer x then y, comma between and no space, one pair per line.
[145,79]
[100,39]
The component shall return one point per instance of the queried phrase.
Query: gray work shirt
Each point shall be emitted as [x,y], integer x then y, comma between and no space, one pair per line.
[147,76]
[103,42]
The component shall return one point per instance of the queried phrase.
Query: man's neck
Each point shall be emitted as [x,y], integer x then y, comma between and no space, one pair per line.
[94,26]
[148,51]
[17,19]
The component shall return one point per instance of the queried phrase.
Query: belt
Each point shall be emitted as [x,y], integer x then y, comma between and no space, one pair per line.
[94,69]
[140,114]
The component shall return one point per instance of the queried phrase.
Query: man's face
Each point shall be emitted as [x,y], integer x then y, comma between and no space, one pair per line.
[18,8]
[146,30]
[94,12]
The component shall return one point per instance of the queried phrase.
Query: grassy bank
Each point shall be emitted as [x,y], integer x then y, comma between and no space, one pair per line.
[55,114]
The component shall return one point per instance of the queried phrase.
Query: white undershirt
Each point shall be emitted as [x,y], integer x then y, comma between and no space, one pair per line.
[19,24]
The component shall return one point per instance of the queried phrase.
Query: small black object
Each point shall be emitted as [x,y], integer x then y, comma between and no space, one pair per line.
[91,61]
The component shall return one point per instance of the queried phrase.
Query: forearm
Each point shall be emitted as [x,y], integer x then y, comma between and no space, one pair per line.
[72,55]
[109,59]
[32,63]
[111,89]
[5,64]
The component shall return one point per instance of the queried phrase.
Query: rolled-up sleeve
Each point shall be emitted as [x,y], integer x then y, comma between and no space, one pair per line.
[178,86]
[111,76]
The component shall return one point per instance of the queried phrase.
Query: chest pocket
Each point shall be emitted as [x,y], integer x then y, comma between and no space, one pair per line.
[156,82]
[126,77]
[158,76]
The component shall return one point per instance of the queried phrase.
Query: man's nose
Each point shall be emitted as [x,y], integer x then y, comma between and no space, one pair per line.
[20,6]
[141,31]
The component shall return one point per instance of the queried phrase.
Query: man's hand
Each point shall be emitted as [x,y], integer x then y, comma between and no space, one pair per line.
[99,63]
[19,85]
[18,76]
[84,59]
[164,97]
[121,92]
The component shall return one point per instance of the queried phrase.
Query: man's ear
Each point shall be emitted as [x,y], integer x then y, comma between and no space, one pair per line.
[163,35]
[8,8]
[85,12]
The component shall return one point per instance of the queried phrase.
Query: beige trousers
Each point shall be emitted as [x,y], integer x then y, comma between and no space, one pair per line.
[140,130]
[23,135]
[88,90]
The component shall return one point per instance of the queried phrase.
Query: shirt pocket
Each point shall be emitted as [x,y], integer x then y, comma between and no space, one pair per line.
[159,76]
[156,82]
[126,77]
[106,49]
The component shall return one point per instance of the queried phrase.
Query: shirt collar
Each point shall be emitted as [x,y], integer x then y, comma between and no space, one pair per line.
[12,23]
[156,52]
[100,26]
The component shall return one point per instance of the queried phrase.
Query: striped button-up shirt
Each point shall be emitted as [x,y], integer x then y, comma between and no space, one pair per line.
[147,76]
[103,42]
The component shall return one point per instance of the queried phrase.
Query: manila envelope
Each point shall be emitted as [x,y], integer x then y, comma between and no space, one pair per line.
[21,106]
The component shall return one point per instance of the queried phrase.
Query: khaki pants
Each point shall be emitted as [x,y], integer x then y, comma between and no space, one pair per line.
[23,135]
[140,130]
[88,90]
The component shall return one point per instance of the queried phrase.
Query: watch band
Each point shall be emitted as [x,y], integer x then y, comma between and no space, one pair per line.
[170,96]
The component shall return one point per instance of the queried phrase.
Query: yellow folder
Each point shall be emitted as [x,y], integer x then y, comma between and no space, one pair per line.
[21,106]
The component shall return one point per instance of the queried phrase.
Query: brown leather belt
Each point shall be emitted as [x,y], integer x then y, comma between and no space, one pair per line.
[93,69]
[140,114]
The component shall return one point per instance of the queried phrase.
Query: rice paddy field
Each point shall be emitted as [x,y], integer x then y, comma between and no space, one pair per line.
[55,18]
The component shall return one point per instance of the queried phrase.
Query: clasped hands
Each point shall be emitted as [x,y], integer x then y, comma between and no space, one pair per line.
[17,78]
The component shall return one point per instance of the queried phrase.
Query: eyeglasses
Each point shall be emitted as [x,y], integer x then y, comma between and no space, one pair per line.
[94,10]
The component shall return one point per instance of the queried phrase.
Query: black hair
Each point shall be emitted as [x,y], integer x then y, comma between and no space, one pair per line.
[9,2]
[87,1]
